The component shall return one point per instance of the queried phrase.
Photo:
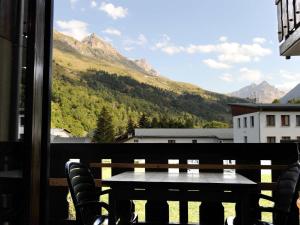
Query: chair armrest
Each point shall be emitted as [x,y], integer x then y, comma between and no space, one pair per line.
[104,192]
[94,203]
[266,197]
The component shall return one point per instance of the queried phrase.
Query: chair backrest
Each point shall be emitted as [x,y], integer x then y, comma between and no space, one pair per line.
[82,189]
[285,192]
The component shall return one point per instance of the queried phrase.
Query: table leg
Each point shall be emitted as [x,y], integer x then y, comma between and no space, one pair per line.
[112,209]
[245,209]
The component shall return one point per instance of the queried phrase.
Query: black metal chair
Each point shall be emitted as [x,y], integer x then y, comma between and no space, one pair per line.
[84,195]
[284,197]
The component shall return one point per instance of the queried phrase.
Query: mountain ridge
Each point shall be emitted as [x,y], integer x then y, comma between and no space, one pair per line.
[262,92]
[293,94]
[87,78]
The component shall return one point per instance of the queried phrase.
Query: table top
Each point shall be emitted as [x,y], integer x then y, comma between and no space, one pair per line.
[185,180]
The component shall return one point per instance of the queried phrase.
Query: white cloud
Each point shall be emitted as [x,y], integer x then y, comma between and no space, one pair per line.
[163,42]
[112,31]
[129,49]
[250,75]
[289,80]
[172,50]
[75,28]
[223,39]
[259,40]
[141,40]
[115,12]
[215,64]
[94,4]
[227,77]
[226,52]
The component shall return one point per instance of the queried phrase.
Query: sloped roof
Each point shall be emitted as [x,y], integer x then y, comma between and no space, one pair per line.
[185,133]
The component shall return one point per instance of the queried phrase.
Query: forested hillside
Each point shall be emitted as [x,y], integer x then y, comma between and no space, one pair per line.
[83,86]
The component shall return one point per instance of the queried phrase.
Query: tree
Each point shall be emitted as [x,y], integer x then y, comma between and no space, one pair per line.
[104,132]
[216,124]
[130,126]
[276,101]
[294,101]
[155,123]
[144,122]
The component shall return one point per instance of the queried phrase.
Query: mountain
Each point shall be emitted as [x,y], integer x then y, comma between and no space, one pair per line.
[294,94]
[146,66]
[263,92]
[91,74]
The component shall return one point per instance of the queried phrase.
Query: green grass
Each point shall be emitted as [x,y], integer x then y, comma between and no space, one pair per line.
[174,206]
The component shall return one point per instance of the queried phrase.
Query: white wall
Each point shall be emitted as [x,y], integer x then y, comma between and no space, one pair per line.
[260,131]
[252,133]
[278,131]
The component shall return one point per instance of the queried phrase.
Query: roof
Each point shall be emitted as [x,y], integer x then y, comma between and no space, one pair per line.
[76,140]
[225,134]
[246,108]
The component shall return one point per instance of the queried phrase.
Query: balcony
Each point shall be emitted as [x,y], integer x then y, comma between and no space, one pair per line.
[288,12]
[157,157]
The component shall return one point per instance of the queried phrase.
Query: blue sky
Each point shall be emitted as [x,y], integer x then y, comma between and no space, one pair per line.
[218,45]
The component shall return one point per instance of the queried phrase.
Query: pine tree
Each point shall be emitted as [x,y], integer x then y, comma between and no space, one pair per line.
[130,126]
[155,123]
[144,122]
[104,132]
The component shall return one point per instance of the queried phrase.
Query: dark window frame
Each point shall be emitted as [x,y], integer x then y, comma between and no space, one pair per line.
[252,122]
[271,139]
[271,122]
[297,120]
[285,120]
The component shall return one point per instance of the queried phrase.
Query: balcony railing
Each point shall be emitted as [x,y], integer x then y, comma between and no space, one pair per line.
[248,163]
[288,12]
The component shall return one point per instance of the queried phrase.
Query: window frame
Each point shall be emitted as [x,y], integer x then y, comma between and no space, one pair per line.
[267,120]
[297,120]
[271,138]
[245,122]
[252,121]
[283,117]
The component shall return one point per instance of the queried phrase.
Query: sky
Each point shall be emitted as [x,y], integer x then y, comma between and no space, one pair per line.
[220,45]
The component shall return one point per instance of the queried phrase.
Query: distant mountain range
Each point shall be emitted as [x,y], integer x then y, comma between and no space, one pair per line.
[263,92]
[91,73]
[294,94]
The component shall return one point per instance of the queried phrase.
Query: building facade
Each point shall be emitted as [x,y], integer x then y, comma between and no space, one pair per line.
[195,136]
[265,123]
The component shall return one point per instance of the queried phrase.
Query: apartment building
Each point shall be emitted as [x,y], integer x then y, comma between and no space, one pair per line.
[265,123]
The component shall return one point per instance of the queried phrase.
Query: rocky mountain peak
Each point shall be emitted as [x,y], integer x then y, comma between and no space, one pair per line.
[263,92]
[143,63]
[96,42]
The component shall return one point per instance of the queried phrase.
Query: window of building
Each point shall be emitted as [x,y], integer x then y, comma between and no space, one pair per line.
[298,120]
[245,139]
[239,122]
[271,139]
[171,141]
[285,138]
[252,121]
[194,141]
[285,120]
[245,122]
[270,121]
